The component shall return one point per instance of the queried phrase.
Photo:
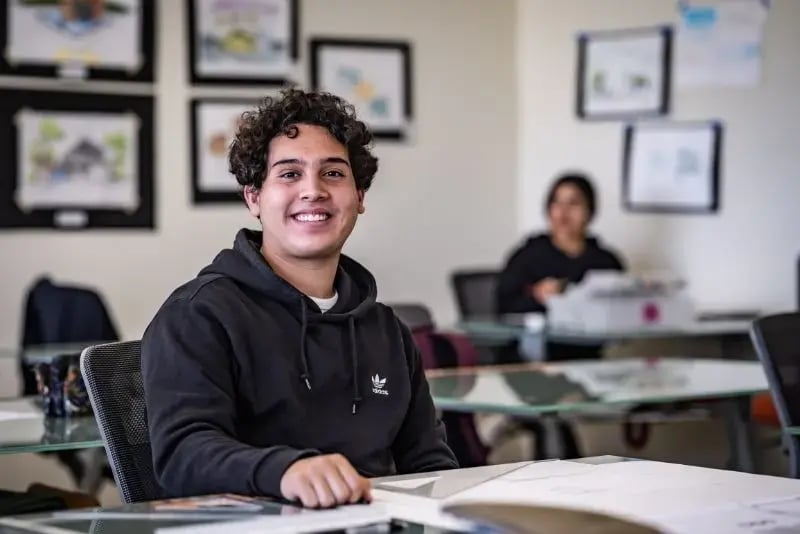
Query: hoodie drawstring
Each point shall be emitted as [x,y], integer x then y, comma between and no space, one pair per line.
[354,355]
[306,374]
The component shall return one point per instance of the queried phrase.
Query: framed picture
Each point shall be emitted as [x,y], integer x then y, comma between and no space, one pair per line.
[214,124]
[624,73]
[242,41]
[75,160]
[375,76]
[96,39]
[672,167]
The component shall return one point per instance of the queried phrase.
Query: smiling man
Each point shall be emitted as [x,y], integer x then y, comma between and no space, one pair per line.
[275,372]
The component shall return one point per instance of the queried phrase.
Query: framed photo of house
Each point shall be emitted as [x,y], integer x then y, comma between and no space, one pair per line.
[253,42]
[375,76]
[214,125]
[624,73]
[94,39]
[76,160]
[672,167]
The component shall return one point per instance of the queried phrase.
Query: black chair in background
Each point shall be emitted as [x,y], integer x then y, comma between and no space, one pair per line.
[113,377]
[475,293]
[777,342]
[62,315]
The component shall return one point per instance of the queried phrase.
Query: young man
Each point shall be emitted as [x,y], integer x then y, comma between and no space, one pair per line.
[275,372]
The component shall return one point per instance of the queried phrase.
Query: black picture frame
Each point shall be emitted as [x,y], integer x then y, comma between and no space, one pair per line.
[145,73]
[713,178]
[197,78]
[317,44]
[583,106]
[200,195]
[75,217]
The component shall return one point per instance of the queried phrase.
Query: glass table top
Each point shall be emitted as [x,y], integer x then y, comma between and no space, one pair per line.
[511,327]
[24,428]
[38,353]
[531,389]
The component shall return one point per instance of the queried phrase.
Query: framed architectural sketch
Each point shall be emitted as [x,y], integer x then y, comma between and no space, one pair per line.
[624,73]
[75,160]
[214,124]
[375,76]
[672,167]
[96,39]
[242,41]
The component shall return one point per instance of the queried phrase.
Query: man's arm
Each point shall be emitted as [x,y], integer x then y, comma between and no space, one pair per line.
[189,377]
[421,444]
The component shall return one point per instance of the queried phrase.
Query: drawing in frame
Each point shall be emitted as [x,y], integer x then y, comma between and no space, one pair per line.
[76,160]
[672,167]
[242,42]
[214,122]
[624,74]
[93,39]
[375,76]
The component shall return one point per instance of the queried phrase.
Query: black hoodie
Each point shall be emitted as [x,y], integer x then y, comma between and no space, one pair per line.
[244,375]
[538,259]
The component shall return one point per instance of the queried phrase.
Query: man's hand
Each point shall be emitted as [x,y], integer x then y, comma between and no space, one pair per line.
[324,481]
[544,289]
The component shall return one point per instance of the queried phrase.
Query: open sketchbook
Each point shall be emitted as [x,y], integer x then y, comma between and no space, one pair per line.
[669,497]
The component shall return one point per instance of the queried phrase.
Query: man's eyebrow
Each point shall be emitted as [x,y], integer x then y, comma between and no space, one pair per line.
[297,161]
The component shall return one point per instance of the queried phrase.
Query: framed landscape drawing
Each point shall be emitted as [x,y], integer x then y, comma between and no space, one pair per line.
[242,41]
[214,124]
[375,76]
[75,160]
[672,167]
[624,73]
[96,39]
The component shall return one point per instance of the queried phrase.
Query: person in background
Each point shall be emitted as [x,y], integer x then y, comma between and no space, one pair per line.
[275,372]
[547,262]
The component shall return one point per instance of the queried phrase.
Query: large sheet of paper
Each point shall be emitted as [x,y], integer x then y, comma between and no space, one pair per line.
[721,44]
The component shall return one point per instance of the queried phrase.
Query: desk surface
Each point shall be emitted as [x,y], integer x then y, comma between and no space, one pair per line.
[39,353]
[531,389]
[511,327]
[24,428]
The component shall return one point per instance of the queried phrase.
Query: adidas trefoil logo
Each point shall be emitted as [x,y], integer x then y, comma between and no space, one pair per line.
[378,384]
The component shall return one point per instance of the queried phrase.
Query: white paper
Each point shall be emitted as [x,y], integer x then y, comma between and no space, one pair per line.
[372,80]
[243,38]
[76,159]
[217,123]
[414,509]
[13,416]
[295,520]
[412,483]
[721,44]
[672,166]
[47,34]
[624,75]
[733,519]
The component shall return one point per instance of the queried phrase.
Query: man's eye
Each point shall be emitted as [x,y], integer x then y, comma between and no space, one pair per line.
[289,174]
[335,173]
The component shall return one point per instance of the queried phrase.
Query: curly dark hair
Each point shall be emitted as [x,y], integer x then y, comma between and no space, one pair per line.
[280,116]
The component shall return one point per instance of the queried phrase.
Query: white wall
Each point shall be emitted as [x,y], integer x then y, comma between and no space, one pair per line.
[445,199]
[743,256]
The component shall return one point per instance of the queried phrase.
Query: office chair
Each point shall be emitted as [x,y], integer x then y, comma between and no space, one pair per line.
[475,293]
[777,342]
[413,315]
[113,378]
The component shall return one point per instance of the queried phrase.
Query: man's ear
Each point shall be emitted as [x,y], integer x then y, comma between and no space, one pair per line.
[251,197]
[361,208]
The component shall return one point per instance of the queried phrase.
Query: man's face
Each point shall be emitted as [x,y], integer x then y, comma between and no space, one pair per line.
[308,204]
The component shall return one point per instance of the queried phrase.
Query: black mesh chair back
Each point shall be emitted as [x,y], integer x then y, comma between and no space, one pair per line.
[415,316]
[113,378]
[475,293]
[777,342]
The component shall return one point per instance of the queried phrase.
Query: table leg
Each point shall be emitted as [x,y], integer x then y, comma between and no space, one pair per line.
[736,413]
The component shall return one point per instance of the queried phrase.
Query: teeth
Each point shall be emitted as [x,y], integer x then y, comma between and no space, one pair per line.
[311,217]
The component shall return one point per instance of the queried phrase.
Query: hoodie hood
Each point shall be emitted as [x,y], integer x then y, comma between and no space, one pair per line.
[244,264]
[354,284]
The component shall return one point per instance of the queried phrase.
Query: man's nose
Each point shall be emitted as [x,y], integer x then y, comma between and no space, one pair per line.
[313,190]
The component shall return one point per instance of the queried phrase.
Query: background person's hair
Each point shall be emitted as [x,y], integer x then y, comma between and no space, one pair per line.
[274,117]
[581,182]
